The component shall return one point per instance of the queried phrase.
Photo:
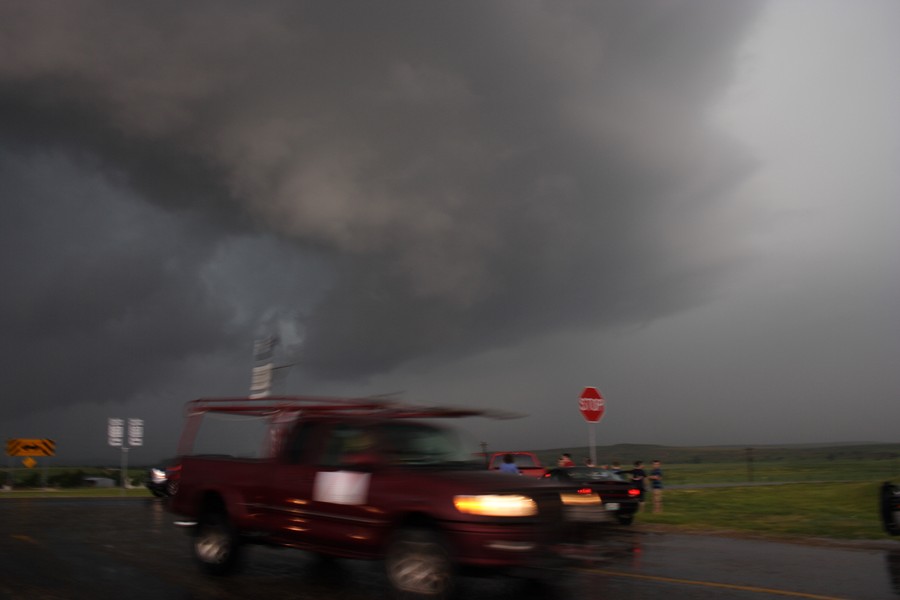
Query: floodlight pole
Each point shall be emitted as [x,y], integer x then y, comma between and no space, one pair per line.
[124,467]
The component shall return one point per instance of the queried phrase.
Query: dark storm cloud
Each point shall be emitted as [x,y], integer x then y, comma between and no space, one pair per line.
[471,173]
[98,290]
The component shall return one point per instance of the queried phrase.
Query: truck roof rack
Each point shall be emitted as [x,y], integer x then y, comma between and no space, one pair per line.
[374,406]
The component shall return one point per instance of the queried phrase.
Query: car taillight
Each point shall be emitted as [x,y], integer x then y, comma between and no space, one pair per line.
[583,497]
[634,492]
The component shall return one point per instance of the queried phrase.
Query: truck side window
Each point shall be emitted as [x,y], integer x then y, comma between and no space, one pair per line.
[348,446]
[299,442]
[233,435]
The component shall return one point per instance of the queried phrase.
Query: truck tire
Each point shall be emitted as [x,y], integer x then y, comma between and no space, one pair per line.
[418,565]
[216,545]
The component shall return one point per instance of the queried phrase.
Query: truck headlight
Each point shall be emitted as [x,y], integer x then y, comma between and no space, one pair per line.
[496,505]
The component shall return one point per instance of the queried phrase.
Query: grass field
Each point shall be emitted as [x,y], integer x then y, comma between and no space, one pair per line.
[838,510]
[821,492]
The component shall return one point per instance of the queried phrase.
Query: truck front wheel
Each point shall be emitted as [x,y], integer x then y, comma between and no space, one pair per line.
[216,545]
[418,564]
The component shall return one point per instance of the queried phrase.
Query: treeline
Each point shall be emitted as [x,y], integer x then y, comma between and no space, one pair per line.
[65,478]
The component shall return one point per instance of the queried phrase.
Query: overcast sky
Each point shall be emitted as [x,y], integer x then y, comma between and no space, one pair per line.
[691,205]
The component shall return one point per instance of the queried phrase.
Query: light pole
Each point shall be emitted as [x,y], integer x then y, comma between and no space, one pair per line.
[115,433]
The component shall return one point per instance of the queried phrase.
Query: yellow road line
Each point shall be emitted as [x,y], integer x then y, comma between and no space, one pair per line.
[729,586]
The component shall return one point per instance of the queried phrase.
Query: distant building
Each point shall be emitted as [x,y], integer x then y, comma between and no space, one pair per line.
[100,482]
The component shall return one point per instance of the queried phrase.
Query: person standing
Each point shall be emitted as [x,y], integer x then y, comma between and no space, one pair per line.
[656,484]
[565,460]
[509,465]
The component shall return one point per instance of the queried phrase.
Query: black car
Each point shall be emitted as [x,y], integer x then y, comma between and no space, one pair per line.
[620,496]
[162,482]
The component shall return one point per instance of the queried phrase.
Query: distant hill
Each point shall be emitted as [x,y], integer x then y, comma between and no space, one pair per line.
[626,454]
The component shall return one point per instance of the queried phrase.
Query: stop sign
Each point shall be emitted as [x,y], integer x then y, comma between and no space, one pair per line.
[592,405]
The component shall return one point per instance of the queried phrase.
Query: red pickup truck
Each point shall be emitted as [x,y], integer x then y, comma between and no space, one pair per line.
[527,462]
[358,478]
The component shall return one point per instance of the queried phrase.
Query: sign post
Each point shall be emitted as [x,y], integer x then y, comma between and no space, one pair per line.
[592,406]
[29,448]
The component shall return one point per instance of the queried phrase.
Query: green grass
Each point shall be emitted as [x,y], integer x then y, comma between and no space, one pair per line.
[819,510]
[780,471]
[822,491]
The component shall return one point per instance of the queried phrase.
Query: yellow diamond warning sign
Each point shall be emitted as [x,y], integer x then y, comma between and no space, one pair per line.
[29,462]
[30,447]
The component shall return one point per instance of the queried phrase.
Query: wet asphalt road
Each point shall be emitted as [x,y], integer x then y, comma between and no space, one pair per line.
[128,548]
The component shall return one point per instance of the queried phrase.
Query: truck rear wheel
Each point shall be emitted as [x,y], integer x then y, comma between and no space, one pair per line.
[216,545]
[418,564]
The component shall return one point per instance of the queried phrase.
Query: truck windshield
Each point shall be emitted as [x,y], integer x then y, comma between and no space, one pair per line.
[234,435]
[419,443]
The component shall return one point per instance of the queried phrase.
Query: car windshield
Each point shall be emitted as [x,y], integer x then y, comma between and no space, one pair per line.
[424,444]
[524,461]
[593,474]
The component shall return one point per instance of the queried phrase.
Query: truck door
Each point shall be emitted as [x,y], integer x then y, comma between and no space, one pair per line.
[290,485]
[323,488]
